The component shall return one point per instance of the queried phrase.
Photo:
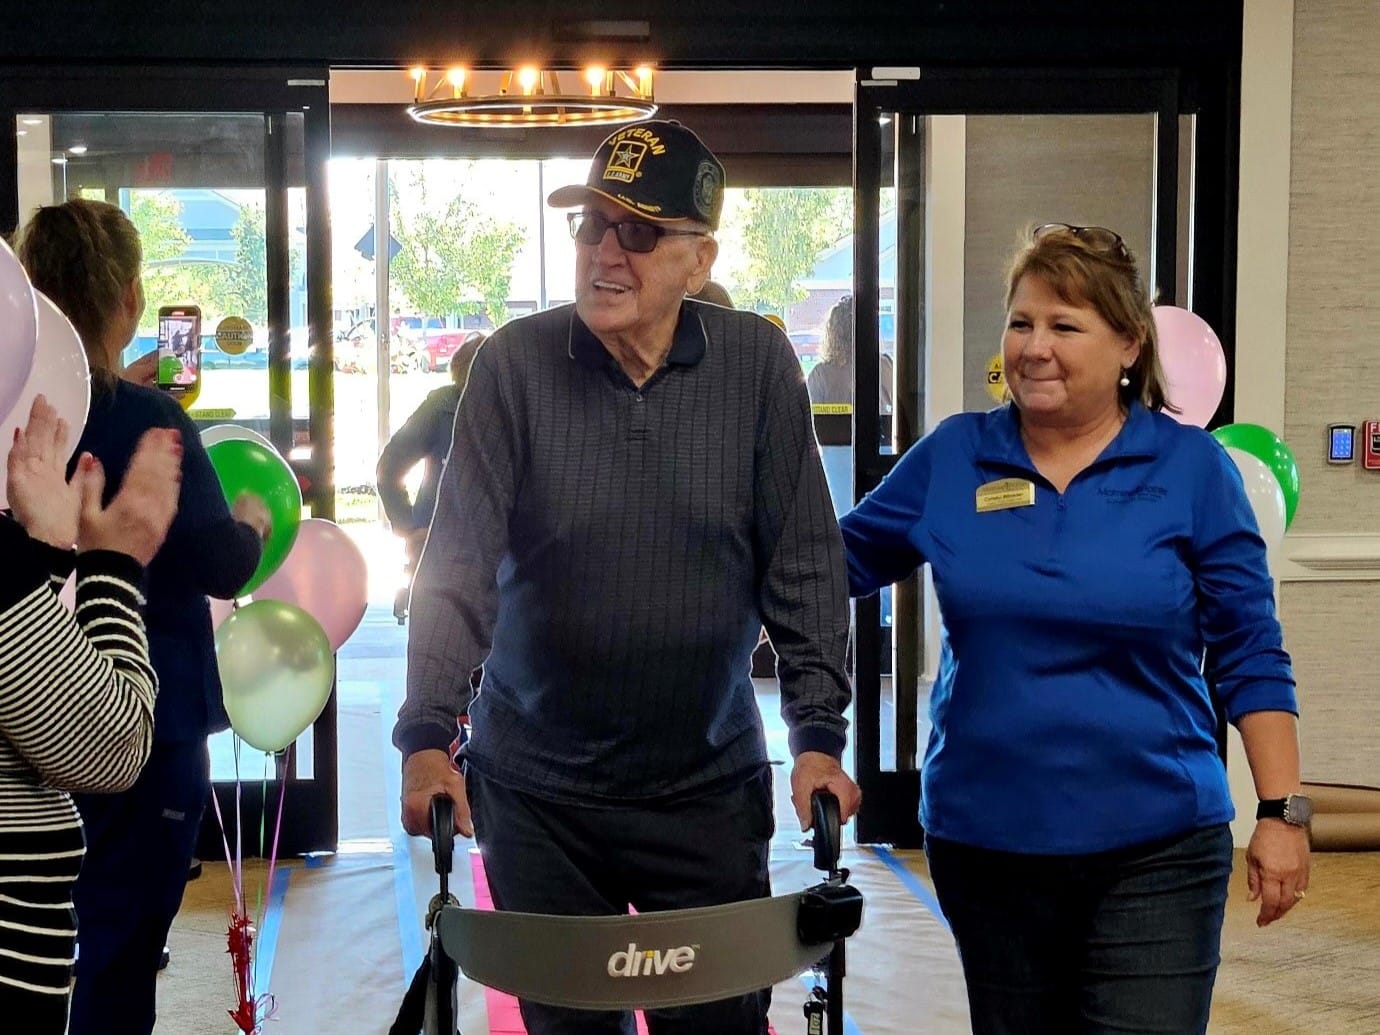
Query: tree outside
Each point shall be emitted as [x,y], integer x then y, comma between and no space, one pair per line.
[238,288]
[783,231]
[453,257]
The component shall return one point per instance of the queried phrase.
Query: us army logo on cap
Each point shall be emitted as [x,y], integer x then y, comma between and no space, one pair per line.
[629,148]
[1005,494]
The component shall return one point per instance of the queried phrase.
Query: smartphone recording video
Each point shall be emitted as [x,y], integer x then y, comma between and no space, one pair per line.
[179,349]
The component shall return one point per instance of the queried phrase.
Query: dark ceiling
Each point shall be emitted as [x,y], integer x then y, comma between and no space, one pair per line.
[673,33]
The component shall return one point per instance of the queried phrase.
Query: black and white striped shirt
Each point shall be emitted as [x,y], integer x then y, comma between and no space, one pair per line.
[76,714]
[610,553]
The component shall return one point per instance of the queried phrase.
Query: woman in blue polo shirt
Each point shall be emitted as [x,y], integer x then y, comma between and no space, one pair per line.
[1086,551]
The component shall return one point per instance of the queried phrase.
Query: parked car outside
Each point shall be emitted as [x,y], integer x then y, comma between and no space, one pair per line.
[806,344]
[441,347]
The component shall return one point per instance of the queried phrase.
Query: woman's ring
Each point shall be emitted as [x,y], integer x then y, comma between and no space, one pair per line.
[1298,895]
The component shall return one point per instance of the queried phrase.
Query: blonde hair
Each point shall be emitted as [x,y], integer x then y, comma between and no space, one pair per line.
[836,342]
[1108,280]
[83,255]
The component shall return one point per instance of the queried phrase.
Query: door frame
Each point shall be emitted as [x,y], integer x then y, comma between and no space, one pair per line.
[889,812]
[310,808]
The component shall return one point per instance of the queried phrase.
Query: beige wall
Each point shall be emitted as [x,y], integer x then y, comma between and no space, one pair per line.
[1333,359]
[1094,170]
[1332,373]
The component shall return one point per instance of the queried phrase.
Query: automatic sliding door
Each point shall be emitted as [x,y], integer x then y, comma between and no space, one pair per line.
[949,172]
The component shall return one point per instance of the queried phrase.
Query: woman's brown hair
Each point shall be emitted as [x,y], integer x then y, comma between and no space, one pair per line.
[83,255]
[1087,269]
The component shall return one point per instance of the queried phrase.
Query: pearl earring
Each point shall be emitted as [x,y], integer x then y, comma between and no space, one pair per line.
[1125,381]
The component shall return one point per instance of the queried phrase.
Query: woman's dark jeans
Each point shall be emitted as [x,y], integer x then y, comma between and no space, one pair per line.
[1122,941]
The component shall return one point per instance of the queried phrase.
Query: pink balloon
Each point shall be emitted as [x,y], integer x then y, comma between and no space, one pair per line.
[60,373]
[18,328]
[220,610]
[1195,366]
[324,574]
[67,595]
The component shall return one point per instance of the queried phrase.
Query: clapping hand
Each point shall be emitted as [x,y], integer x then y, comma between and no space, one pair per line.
[43,500]
[136,520]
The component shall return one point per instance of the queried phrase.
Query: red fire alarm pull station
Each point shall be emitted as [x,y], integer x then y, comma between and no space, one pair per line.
[1370,445]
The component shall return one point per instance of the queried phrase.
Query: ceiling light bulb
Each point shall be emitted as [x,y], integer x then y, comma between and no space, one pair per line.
[456,76]
[527,78]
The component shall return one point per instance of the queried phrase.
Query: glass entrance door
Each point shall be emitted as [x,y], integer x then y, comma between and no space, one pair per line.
[950,168]
[230,205]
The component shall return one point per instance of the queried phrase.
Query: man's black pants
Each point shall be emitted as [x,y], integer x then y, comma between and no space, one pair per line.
[545,857]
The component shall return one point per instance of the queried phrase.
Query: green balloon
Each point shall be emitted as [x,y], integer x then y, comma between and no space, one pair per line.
[276,672]
[1266,446]
[247,466]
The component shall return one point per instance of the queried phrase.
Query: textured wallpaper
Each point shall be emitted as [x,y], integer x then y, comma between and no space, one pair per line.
[1333,373]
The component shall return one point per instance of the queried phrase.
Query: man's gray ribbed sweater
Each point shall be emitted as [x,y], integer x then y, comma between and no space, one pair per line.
[609,553]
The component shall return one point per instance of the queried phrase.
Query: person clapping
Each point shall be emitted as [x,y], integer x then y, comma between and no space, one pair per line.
[76,692]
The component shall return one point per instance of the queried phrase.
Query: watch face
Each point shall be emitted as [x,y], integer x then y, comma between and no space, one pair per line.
[1298,810]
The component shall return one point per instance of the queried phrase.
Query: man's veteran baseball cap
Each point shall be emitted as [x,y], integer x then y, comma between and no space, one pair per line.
[658,170]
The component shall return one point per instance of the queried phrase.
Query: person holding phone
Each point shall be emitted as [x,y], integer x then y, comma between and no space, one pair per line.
[86,257]
[76,693]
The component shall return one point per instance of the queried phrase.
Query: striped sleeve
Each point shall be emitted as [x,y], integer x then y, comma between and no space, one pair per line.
[76,696]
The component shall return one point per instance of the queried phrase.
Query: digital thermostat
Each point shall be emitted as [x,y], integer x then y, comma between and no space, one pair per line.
[1341,443]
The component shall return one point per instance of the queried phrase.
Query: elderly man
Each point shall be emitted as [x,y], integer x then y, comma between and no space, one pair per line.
[634,490]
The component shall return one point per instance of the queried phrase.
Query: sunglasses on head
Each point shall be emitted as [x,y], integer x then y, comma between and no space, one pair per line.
[634,235]
[1098,238]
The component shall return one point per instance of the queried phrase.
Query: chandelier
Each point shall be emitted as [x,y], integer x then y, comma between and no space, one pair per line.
[530,96]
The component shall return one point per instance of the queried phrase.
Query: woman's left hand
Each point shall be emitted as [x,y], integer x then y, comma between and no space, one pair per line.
[143,371]
[36,478]
[1277,868]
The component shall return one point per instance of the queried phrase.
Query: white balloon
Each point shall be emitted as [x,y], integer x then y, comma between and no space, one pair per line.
[60,374]
[1265,495]
[18,328]
[230,432]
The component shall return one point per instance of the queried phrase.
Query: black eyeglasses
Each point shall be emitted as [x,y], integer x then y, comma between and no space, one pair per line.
[634,235]
[1098,238]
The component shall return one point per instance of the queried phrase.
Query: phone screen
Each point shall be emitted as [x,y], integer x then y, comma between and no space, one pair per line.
[179,349]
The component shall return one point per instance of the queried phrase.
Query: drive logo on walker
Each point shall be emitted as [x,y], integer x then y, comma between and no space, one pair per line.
[635,962]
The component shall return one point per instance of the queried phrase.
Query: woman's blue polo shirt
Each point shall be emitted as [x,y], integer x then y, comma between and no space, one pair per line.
[1070,714]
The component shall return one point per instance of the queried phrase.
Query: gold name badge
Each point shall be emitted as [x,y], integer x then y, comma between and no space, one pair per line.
[1005,494]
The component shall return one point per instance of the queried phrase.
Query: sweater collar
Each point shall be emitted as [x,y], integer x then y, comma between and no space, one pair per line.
[688,342]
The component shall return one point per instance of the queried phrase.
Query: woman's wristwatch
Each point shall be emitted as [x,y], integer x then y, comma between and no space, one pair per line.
[1296,809]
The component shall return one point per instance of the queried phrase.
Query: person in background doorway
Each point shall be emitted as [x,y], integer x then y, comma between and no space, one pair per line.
[76,693]
[1087,550]
[423,438]
[633,491]
[86,257]
[831,379]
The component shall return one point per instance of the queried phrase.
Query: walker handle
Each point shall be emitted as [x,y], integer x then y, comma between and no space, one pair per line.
[443,832]
[824,809]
